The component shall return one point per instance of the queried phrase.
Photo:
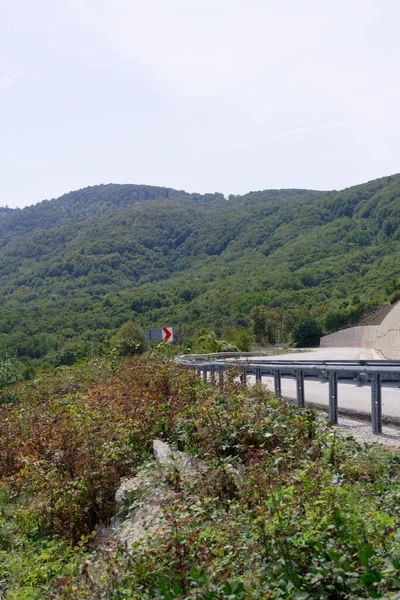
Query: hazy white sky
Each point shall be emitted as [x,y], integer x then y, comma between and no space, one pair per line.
[201,95]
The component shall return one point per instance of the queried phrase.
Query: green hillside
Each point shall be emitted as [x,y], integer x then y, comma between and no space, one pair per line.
[73,269]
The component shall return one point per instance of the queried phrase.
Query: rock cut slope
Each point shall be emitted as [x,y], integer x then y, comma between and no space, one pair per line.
[384,337]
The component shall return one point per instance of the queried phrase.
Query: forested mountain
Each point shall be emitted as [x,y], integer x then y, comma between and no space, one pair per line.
[73,269]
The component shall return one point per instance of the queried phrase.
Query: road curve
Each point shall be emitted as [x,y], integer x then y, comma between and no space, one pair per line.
[327,354]
[352,396]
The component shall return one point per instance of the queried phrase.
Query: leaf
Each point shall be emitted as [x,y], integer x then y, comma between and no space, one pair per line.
[365,554]
[177,589]
[228,588]
[238,587]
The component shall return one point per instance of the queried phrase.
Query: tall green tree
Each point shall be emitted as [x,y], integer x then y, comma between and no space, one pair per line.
[307,333]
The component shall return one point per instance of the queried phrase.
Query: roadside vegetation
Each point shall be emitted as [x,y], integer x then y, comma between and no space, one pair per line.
[286,508]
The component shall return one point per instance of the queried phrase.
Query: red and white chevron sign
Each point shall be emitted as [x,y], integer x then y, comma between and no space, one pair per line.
[167,334]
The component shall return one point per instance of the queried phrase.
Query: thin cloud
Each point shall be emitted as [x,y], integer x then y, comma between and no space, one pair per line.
[311,129]
[8,78]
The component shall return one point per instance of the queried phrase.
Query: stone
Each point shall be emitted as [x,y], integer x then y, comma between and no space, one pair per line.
[145,515]
[185,463]
[132,484]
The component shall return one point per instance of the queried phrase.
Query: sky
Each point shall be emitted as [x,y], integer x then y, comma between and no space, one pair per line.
[202,95]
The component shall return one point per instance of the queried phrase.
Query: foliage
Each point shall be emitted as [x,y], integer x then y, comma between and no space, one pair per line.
[11,371]
[238,337]
[284,507]
[259,323]
[266,324]
[130,339]
[74,269]
[70,451]
[29,564]
[307,333]
[206,341]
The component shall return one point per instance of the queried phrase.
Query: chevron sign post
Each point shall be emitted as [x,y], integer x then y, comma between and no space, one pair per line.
[161,334]
[167,334]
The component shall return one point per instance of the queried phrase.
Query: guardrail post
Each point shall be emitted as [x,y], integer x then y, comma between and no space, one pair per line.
[333,397]
[243,376]
[221,378]
[198,372]
[300,388]
[277,383]
[376,403]
[212,374]
[205,374]
[258,374]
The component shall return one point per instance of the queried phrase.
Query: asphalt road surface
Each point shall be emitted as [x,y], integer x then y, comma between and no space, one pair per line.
[351,396]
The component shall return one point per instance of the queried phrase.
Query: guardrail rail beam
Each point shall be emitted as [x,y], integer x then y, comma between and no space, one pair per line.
[375,371]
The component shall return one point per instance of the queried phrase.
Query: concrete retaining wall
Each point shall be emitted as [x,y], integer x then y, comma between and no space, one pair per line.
[384,337]
[388,335]
[353,337]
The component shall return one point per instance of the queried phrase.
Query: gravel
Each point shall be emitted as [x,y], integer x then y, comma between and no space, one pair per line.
[361,431]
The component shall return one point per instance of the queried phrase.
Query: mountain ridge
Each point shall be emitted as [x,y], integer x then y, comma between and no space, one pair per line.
[73,269]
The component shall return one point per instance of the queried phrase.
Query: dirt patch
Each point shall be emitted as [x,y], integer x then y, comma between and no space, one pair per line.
[376,316]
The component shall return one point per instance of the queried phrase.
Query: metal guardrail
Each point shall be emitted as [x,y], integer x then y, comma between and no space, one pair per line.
[373,371]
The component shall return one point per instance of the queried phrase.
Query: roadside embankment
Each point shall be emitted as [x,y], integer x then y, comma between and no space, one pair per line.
[384,337]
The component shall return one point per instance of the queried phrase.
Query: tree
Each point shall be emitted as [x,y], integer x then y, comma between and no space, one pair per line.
[258,318]
[265,323]
[307,333]
[238,337]
[130,339]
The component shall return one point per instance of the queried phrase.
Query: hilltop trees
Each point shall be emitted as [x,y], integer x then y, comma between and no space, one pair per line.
[73,270]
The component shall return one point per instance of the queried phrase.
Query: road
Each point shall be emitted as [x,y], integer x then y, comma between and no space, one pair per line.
[351,396]
[328,354]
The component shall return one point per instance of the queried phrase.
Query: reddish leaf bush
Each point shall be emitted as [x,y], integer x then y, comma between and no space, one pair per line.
[63,455]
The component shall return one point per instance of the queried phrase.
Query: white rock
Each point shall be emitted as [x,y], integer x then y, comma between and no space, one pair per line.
[162,452]
[185,463]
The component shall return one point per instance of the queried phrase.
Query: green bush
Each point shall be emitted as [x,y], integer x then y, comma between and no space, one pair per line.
[394,297]
[206,342]
[130,339]
[307,333]
[11,371]
[238,337]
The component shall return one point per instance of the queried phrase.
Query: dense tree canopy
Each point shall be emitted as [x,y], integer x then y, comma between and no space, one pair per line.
[74,269]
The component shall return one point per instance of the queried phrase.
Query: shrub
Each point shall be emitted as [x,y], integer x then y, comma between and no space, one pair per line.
[11,371]
[282,508]
[394,297]
[130,339]
[238,337]
[66,451]
[307,333]
[205,341]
